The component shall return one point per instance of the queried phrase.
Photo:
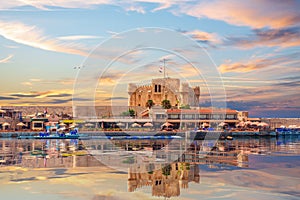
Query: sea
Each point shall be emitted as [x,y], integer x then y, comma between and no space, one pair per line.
[103,169]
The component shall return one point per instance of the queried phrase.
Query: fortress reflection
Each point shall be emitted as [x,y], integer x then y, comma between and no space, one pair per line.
[166,167]
[165,179]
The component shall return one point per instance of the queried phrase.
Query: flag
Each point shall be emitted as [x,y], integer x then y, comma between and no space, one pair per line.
[161,69]
[20,117]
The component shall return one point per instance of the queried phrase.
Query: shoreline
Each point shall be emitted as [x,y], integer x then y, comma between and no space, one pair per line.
[197,135]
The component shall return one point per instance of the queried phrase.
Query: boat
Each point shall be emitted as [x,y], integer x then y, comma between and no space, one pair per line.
[161,137]
[73,134]
[287,131]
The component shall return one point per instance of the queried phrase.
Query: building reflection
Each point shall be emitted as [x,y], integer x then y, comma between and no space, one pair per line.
[77,153]
[165,179]
[45,153]
[166,167]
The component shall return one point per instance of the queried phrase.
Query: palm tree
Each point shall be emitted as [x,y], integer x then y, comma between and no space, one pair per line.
[166,104]
[149,103]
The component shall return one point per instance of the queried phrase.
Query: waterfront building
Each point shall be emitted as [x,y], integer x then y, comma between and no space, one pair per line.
[243,116]
[172,89]
[9,118]
[195,118]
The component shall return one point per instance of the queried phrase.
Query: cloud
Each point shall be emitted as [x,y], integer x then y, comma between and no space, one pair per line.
[279,108]
[258,63]
[22,95]
[34,37]
[290,84]
[290,78]
[43,94]
[59,95]
[205,37]
[59,101]
[115,98]
[11,46]
[35,80]
[7,98]
[138,9]
[255,14]
[7,59]
[27,83]
[285,37]
[78,37]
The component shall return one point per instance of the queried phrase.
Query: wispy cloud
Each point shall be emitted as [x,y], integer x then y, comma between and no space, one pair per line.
[115,98]
[285,37]
[256,108]
[78,37]
[258,63]
[27,83]
[11,46]
[34,37]
[43,94]
[7,59]
[134,8]
[7,98]
[256,13]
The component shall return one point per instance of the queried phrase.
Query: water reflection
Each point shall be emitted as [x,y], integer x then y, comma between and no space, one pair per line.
[124,153]
[165,180]
[163,166]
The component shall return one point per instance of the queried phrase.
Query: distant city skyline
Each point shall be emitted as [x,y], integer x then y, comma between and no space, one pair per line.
[254,45]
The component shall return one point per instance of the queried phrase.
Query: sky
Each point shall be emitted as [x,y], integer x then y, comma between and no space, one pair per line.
[253,48]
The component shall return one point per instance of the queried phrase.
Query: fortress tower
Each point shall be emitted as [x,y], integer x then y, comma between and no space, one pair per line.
[160,89]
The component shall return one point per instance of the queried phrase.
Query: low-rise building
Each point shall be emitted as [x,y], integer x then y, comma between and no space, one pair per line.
[194,118]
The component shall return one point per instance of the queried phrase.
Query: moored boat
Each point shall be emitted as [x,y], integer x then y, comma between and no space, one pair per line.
[73,134]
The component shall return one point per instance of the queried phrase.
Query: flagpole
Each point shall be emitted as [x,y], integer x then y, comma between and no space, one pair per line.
[164,68]
[164,80]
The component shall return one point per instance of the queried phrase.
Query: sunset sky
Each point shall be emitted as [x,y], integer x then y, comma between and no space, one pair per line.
[255,46]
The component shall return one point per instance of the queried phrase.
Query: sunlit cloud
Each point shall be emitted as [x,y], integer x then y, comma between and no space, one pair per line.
[256,13]
[204,37]
[7,59]
[258,63]
[238,67]
[43,94]
[34,37]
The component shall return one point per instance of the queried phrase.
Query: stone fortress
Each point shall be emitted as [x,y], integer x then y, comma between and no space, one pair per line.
[177,92]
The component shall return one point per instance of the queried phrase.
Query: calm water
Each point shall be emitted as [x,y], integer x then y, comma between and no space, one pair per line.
[248,168]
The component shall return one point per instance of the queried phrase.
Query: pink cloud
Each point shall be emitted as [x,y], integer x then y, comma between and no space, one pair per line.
[7,59]
[34,37]
[256,13]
